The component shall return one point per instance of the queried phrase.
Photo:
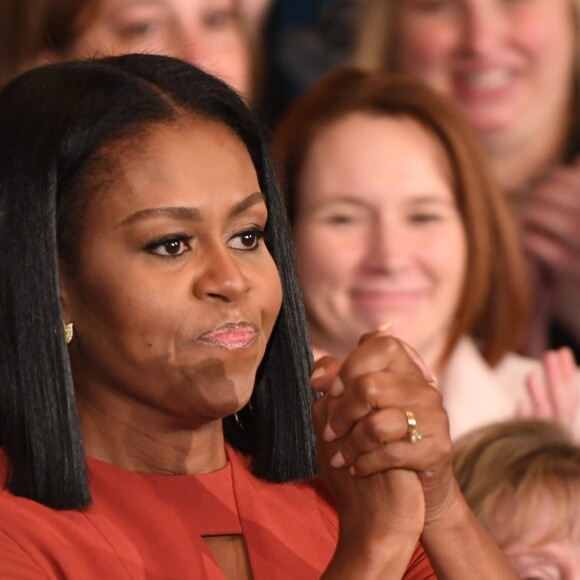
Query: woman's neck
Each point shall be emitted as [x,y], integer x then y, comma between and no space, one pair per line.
[519,171]
[139,446]
[518,166]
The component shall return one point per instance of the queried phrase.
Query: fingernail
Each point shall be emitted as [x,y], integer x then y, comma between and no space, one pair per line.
[329,433]
[386,328]
[337,387]
[318,372]
[337,460]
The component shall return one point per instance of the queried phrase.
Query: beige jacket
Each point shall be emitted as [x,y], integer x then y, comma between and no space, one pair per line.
[475,394]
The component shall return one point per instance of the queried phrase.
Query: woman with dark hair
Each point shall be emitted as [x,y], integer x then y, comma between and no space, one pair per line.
[155,401]
[396,218]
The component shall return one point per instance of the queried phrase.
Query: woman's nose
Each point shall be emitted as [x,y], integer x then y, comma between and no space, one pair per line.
[482,28]
[221,276]
[387,247]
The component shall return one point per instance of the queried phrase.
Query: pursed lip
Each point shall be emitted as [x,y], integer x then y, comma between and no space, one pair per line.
[231,336]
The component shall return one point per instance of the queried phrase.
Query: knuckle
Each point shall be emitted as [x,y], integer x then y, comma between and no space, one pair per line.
[376,429]
[441,451]
[393,346]
[367,387]
[431,397]
[445,449]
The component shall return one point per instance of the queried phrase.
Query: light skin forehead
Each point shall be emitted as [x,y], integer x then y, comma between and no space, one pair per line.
[107,7]
[534,537]
[364,155]
[421,5]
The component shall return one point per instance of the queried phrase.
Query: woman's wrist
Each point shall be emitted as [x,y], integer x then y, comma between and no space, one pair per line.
[383,555]
[459,546]
[452,513]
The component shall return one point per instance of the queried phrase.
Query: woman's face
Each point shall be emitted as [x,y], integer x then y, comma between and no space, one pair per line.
[378,235]
[509,64]
[533,555]
[174,294]
[206,33]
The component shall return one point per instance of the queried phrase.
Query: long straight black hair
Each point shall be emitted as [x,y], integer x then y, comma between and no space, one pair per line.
[54,121]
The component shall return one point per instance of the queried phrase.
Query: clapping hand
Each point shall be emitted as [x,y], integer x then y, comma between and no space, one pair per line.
[553,391]
[551,235]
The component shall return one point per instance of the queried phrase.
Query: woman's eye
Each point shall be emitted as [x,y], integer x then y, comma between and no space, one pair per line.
[339,219]
[138,30]
[425,218]
[170,247]
[217,19]
[246,240]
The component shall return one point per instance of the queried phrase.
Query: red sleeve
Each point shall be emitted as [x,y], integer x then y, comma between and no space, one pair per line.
[419,567]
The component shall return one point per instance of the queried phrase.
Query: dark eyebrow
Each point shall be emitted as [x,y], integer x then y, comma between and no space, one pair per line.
[177,213]
[190,213]
[252,199]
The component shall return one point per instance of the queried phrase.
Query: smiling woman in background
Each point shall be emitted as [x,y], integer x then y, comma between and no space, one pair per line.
[513,70]
[396,219]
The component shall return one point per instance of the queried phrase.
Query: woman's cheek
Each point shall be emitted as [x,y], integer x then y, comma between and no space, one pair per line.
[424,45]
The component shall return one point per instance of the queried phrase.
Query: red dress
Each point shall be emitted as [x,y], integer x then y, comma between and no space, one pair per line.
[146,526]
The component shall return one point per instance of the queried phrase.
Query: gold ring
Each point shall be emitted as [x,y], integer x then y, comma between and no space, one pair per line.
[414,435]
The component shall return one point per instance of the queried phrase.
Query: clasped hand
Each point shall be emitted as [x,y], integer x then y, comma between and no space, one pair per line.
[383,483]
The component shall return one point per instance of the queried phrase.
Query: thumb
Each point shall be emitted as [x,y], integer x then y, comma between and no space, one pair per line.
[427,373]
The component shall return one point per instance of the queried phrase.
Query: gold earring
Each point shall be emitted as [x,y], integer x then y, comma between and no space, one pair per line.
[68,332]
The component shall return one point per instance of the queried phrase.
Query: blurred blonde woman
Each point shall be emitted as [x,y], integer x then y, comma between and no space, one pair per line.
[512,69]
[397,219]
[522,479]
